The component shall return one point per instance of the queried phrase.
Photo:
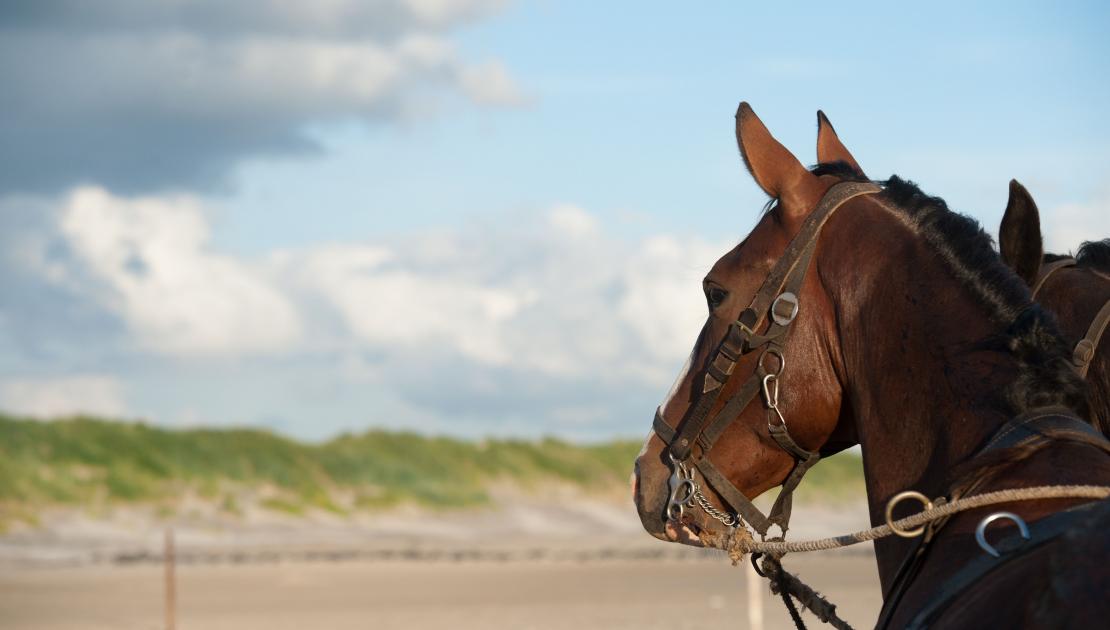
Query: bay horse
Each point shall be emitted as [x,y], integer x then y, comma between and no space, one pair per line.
[909,337]
[1076,289]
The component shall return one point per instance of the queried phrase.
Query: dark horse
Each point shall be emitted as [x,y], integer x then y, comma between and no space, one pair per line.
[909,337]
[1076,289]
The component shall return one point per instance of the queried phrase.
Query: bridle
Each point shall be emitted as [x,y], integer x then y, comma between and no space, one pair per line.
[776,302]
[1084,351]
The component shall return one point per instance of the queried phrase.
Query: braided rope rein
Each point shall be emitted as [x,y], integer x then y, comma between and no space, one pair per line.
[740,542]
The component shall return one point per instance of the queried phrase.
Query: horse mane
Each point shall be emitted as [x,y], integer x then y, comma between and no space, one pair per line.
[1028,332]
[1095,255]
[1092,255]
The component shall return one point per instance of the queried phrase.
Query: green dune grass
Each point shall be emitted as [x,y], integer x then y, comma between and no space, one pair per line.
[94,462]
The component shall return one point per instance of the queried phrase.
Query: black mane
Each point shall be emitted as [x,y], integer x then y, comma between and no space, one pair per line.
[1029,332]
[1095,255]
[1092,255]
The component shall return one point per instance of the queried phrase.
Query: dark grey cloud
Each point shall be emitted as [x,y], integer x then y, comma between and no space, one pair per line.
[350,19]
[141,96]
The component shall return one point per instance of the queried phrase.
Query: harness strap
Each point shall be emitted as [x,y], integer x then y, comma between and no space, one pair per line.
[1044,423]
[1048,270]
[785,501]
[1012,547]
[732,408]
[1084,351]
[736,499]
[1037,423]
[661,428]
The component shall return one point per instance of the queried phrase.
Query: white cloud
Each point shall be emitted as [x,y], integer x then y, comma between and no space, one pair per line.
[490,83]
[1069,225]
[551,316]
[561,299]
[572,220]
[150,259]
[558,297]
[393,307]
[63,396]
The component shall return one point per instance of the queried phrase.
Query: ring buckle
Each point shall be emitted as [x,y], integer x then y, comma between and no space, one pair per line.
[898,498]
[772,350]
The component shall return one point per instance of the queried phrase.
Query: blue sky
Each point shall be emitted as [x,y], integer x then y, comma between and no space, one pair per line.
[472,217]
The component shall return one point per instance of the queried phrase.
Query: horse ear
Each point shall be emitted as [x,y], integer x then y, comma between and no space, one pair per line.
[1019,238]
[829,146]
[774,168]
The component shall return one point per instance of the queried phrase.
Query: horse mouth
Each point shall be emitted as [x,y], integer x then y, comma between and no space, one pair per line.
[683,532]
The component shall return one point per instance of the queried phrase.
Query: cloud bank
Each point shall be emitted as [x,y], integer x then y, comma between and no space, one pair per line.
[145,96]
[547,325]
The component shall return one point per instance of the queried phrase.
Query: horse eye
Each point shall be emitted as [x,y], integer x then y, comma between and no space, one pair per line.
[714,296]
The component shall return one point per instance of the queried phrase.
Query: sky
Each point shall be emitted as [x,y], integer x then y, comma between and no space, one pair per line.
[467,217]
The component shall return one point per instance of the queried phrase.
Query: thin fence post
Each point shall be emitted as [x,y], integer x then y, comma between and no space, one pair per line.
[755,599]
[169,560]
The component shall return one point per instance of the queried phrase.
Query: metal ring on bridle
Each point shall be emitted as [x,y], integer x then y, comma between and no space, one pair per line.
[981,530]
[895,500]
[776,352]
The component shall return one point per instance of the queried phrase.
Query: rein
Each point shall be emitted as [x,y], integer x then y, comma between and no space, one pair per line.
[776,303]
[1084,351]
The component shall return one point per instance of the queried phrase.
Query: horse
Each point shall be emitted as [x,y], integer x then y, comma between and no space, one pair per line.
[873,315]
[1076,289]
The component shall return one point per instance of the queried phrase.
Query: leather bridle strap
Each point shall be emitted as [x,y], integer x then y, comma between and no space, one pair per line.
[777,303]
[1084,351]
[1048,270]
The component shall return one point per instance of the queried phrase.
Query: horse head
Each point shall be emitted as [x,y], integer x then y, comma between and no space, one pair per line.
[752,401]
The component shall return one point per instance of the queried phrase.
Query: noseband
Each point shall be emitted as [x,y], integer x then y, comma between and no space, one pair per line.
[777,303]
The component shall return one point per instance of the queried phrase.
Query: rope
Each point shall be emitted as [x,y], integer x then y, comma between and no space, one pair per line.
[793,610]
[740,541]
[786,585]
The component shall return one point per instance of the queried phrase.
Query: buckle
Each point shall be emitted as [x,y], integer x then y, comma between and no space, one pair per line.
[790,302]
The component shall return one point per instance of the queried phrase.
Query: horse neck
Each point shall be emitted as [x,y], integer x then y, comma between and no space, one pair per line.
[923,391]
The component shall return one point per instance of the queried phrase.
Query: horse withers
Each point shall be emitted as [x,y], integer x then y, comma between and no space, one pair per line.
[852,315]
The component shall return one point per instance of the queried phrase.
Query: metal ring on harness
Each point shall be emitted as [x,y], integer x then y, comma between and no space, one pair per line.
[895,500]
[772,350]
[981,530]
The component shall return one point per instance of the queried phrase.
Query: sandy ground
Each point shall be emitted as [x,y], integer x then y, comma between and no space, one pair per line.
[551,560]
[699,592]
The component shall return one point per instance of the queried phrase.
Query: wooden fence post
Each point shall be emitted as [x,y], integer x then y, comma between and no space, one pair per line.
[169,560]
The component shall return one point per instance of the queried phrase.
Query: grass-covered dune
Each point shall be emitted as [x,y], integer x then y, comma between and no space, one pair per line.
[93,462]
